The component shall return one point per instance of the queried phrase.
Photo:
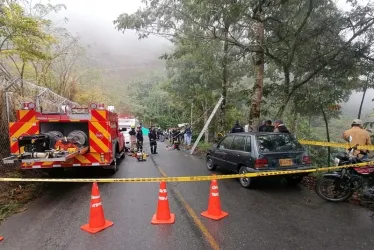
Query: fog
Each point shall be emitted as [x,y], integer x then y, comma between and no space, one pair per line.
[116,51]
[124,55]
[351,107]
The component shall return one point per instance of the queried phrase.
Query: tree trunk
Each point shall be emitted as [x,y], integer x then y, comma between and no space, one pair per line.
[22,75]
[293,122]
[206,116]
[259,61]
[327,135]
[287,97]
[362,101]
[224,84]
[309,130]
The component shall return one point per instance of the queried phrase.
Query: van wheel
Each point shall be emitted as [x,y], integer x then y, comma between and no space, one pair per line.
[246,182]
[210,164]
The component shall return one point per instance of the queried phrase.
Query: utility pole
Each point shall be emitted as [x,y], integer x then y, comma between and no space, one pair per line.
[206,125]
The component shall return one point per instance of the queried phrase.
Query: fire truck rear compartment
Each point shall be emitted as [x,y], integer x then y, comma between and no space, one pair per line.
[66,128]
[56,142]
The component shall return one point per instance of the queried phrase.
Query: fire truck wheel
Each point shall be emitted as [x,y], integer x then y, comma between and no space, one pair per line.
[113,166]
[123,154]
[120,155]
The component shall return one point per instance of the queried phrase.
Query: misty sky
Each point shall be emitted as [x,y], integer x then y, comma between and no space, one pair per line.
[93,22]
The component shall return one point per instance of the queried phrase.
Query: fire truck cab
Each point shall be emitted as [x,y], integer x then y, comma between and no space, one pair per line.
[73,137]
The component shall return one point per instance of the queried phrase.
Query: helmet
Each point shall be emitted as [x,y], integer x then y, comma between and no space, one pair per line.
[132,126]
[357,122]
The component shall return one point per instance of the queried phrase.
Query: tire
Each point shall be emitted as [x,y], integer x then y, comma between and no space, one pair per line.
[210,164]
[245,182]
[114,166]
[319,192]
[294,180]
[122,155]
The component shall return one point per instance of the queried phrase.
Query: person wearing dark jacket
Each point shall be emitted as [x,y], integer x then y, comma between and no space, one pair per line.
[139,138]
[237,128]
[266,127]
[262,126]
[132,131]
[152,140]
[280,128]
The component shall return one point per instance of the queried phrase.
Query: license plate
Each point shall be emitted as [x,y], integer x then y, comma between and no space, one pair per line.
[285,162]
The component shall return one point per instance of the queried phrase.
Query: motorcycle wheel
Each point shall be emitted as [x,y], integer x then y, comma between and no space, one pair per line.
[344,189]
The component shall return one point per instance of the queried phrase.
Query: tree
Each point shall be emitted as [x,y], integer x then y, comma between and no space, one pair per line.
[283,31]
[22,37]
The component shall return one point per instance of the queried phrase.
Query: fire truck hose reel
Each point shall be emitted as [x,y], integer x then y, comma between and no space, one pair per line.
[79,136]
[54,136]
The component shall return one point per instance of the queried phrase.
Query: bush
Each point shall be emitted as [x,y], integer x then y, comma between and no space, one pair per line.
[204,146]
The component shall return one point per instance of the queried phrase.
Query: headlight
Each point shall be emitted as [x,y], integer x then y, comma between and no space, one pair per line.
[336,161]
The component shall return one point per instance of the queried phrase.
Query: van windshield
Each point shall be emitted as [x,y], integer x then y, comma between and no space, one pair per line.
[277,143]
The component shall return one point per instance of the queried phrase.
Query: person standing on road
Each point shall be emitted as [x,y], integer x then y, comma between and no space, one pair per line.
[139,138]
[188,135]
[280,128]
[237,128]
[359,136]
[152,140]
[132,134]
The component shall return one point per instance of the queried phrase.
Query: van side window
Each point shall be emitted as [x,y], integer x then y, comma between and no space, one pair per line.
[226,142]
[248,144]
[239,143]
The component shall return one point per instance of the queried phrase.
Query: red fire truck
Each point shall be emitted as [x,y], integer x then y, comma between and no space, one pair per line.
[74,137]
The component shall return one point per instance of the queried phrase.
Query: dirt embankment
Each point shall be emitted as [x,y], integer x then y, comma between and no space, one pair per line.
[15,195]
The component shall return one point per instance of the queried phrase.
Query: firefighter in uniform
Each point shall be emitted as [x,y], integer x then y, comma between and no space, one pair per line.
[139,138]
[152,139]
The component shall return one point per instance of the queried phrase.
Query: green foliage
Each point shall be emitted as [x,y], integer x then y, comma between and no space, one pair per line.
[204,146]
[21,34]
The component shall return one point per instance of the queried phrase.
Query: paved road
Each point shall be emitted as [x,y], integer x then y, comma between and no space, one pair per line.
[272,216]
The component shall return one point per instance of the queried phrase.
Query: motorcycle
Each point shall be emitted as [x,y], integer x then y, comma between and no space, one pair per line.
[340,185]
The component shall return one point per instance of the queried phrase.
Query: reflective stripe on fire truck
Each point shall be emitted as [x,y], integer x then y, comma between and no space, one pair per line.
[99,137]
[26,124]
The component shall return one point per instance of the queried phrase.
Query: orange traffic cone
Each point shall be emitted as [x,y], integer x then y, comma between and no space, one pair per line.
[163,215]
[97,220]
[214,211]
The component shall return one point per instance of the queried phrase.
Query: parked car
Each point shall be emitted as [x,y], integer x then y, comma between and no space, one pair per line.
[253,152]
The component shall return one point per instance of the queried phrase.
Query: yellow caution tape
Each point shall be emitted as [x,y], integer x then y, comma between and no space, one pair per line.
[334,144]
[189,178]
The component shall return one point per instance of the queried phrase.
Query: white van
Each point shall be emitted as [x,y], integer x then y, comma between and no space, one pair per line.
[125,126]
